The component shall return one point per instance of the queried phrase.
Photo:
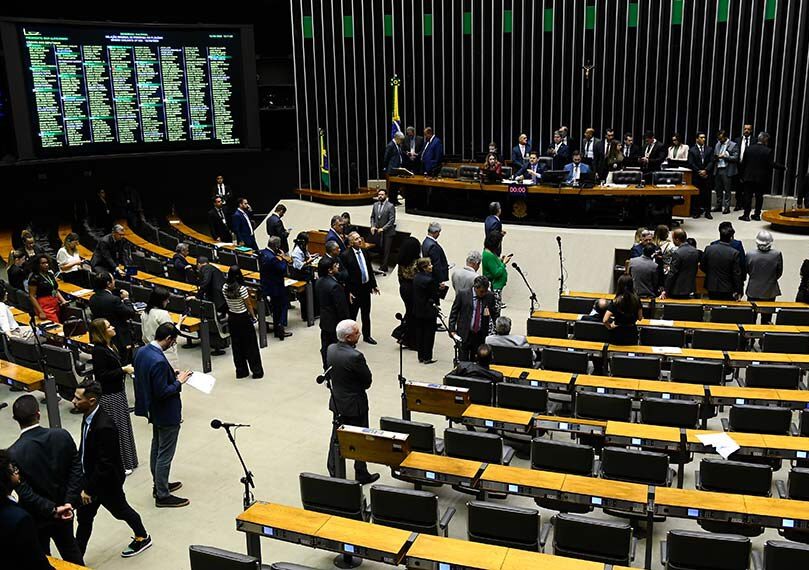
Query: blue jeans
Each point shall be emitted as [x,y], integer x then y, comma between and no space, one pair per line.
[164,444]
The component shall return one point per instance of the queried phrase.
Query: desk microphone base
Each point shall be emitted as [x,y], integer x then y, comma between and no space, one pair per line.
[347,561]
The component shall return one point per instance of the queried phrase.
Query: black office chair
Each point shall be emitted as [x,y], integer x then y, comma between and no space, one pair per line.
[733,477]
[414,511]
[563,457]
[333,496]
[62,367]
[140,294]
[796,317]
[796,488]
[671,413]
[644,367]
[689,550]
[703,372]
[715,340]
[176,274]
[205,251]
[24,353]
[635,466]
[779,554]
[168,241]
[590,331]
[480,391]
[521,397]
[150,233]
[758,419]
[138,260]
[576,305]
[661,336]
[565,360]
[522,357]
[595,406]
[211,558]
[247,262]
[123,285]
[675,312]
[596,540]
[782,376]
[733,315]
[477,446]
[176,304]
[510,527]
[786,343]
[549,328]
[422,435]
[218,329]
[227,257]
[154,267]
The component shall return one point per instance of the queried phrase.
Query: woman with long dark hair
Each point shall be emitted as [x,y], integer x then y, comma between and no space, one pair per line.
[409,253]
[623,313]
[425,299]
[241,315]
[44,290]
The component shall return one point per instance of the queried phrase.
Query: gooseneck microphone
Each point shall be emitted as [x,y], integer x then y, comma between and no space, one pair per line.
[216,424]
[559,240]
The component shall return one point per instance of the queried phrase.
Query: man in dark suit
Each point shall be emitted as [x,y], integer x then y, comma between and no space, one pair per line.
[493,224]
[350,378]
[532,170]
[412,147]
[480,366]
[559,151]
[432,154]
[218,222]
[273,269]
[211,281]
[519,154]
[609,152]
[117,309]
[383,226]
[50,474]
[109,251]
[723,273]
[681,281]
[591,150]
[242,225]
[758,166]
[743,143]
[103,472]
[333,252]
[222,190]
[653,154]
[19,541]
[470,315]
[335,232]
[700,161]
[392,159]
[333,304]
[432,249]
[275,227]
[360,283]
[630,150]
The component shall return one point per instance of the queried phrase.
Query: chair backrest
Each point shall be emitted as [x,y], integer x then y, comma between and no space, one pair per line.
[576,305]
[671,413]
[522,357]
[201,309]
[803,423]
[154,267]
[176,304]
[735,477]
[480,390]
[691,550]
[592,539]
[247,262]
[477,446]
[798,484]
[549,328]
[58,357]
[332,496]
[149,232]
[735,315]
[590,330]
[760,419]
[210,558]
[564,360]
[675,312]
[141,294]
[798,317]
[635,466]
[594,406]
[168,241]
[562,456]
[24,353]
[785,342]
[782,376]
[780,554]
[138,260]
[176,274]
[23,301]
[661,336]
[521,397]
[697,371]
[422,435]
[715,340]
[645,367]
[227,257]
[502,525]
[407,509]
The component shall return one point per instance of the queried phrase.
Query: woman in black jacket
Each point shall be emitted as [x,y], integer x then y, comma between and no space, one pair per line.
[409,252]
[424,311]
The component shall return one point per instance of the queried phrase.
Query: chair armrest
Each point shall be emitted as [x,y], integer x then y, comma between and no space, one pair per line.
[445,518]
[758,561]
[664,553]
[781,487]
[697,480]
[543,535]
[725,424]
[508,454]
[793,429]
[596,467]
[740,382]
[633,549]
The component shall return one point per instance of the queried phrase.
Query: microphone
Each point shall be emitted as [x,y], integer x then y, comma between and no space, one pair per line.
[559,240]
[216,424]
[3,405]
[323,377]
[515,266]
[398,317]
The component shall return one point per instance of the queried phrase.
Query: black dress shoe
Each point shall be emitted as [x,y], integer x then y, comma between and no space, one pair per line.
[697,216]
[430,361]
[217,352]
[737,209]
[717,209]
[369,340]
[708,216]
[756,217]
[744,218]
[726,211]
[370,478]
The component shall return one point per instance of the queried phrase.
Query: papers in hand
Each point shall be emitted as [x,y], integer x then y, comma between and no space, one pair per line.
[722,442]
[202,382]
[667,350]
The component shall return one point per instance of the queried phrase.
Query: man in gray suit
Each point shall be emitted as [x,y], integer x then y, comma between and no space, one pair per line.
[681,281]
[645,272]
[502,335]
[764,267]
[723,272]
[350,378]
[383,225]
[726,167]
[463,277]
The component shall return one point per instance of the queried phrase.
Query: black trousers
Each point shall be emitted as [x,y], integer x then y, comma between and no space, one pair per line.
[362,305]
[244,344]
[425,333]
[326,338]
[719,296]
[469,347]
[61,532]
[360,467]
[384,241]
[752,189]
[115,502]
[705,194]
[279,306]
[766,318]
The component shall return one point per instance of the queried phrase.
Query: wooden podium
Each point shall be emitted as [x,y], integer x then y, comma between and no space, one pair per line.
[438,399]
[373,445]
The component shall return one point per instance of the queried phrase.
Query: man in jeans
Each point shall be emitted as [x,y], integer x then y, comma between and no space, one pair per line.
[157,397]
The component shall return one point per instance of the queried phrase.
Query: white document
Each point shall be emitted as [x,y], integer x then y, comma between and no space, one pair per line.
[202,382]
[667,350]
[722,442]
[222,244]
[81,292]
[661,323]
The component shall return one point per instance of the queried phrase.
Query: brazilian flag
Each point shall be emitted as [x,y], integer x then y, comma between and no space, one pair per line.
[325,178]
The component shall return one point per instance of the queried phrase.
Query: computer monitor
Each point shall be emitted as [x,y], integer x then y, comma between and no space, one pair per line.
[627,177]
[491,176]
[554,176]
[545,163]
[667,177]
[587,179]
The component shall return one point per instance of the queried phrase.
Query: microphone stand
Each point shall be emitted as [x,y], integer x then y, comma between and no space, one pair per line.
[561,268]
[402,379]
[455,342]
[533,297]
[253,543]
[336,422]
[51,396]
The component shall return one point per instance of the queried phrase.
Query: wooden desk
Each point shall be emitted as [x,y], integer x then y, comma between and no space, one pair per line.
[280,521]
[664,389]
[778,513]
[60,564]
[689,326]
[588,346]
[21,377]
[687,353]
[556,316]
[178,225]
[574,425]
[439,468]
[688,503]
[788,447]
[534,377]
[606,384]
[449,401]
[522,559]
[772,306]
[519,481]
[735,395]
[437,550]
[363,539]
[642,434]
[605,493]
[739,358]
[167,283]
[497,418]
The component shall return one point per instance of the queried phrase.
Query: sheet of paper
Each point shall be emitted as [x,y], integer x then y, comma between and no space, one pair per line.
[82,292]
[722,442]
[222,244]
[202,382]
[661,323]
[667,350]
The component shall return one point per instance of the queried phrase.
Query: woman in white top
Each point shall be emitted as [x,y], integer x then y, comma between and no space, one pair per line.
[240,322]
[677,150]
[155,315]
[68,256]
[300,252]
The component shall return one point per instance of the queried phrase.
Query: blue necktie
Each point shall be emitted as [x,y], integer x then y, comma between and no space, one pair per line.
[361,262]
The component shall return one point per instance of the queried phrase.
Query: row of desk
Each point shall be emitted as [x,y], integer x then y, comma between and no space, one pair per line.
[758,306]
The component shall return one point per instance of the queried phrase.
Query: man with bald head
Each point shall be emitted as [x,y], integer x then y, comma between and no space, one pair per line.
[519,154]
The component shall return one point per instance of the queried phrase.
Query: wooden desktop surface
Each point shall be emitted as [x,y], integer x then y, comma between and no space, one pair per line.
[441,464]
[677,353]
[534,374]
[642,431]
[60,564]
[778,508]
[457,552]
[504,415]
[565,343]
[704,302]
[168,283]
[594,487]
[574,421]
[785,442]
[689,325]
[525,477]
[522,559]
[556,316]
[745,393]
[32,379]
[693,499]
[761,329]
[793,395]
[283,517]
[665,387]
[607,382]
[741,356]
[360,533]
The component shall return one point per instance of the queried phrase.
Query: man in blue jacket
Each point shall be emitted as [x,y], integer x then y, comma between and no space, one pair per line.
[433,153]
[273,268]
[157,397]
[242,226]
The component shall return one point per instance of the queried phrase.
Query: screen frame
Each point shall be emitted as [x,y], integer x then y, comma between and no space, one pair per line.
[20,107]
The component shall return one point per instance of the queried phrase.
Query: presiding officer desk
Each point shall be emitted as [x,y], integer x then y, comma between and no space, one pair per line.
[758,306]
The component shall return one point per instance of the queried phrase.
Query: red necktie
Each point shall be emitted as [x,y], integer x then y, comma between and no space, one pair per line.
[476,316]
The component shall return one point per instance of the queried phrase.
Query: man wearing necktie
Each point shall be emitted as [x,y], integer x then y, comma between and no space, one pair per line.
[393,159]
[725,169]
[743,143]
[700,161]
[383,226]
[591,149]
[217,221]
[630,150]
[470,315]
[575,169]
[359,284]
[531,170]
